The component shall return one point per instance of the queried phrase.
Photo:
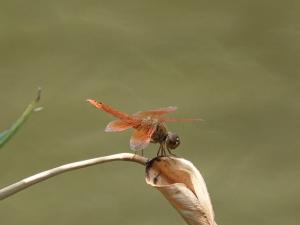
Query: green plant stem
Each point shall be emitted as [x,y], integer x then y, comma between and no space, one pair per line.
[6,135]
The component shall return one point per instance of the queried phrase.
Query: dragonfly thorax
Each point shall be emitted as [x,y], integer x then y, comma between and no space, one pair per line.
[168,139]
[160,134]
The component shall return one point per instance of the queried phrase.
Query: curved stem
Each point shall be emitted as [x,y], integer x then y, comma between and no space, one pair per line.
[27,182]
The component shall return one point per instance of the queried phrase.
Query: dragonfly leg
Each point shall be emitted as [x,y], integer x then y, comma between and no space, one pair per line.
[163,149]
[171,153]
[158,152]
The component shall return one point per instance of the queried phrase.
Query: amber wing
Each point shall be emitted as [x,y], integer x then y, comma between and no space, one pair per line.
[181,119]
[156,112]
[117,126]
[141,137]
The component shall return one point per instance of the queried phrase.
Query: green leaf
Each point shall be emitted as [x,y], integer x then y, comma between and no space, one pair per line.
[6,135]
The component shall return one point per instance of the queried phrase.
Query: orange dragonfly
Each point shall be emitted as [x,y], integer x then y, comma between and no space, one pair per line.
[149,127]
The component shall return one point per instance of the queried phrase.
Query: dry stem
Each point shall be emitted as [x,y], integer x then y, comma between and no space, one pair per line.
[27,182]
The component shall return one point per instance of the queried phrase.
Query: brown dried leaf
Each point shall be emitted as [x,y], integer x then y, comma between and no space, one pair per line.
[182,184]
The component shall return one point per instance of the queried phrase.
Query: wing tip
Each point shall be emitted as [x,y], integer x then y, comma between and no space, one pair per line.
[108,129]
[138,146]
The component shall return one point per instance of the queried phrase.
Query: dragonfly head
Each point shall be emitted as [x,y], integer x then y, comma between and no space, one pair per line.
[172,141]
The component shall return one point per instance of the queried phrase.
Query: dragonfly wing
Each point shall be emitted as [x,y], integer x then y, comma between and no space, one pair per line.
[156,112]
[181,119]
[117,126]
[141,137]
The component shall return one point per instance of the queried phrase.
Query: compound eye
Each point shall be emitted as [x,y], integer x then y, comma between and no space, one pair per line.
[173,141]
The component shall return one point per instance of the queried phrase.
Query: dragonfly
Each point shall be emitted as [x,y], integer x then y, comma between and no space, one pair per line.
[149,127]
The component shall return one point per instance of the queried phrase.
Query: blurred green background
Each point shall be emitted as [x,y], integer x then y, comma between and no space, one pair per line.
[233,63]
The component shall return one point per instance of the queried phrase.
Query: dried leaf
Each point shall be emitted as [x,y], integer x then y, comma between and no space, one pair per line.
[182,184]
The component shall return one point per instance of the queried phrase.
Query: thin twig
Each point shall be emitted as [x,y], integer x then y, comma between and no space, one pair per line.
[27,182]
